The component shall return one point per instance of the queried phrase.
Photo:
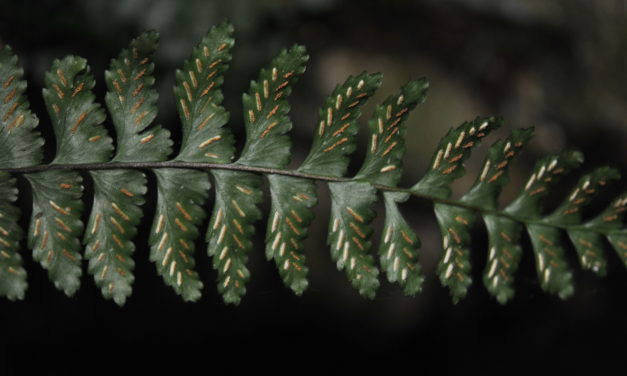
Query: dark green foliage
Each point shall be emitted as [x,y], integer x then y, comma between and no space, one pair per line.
[207,152]
[503,256]
[56,226]
[609,223]
[454,267]
[231,227]
[619,242]
[199,98]
[20,144]
[448,161]
[383,164]
[398,251]
[118,194]
[76,117]
[350,231]
[288,221]
[266,109]
[132,102]
[112,225]
[181,195]
[238,193]
[181,192]
[336,130]
[12,275]
[488,185]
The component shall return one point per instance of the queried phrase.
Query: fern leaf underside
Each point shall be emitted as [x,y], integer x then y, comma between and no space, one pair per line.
[207,153]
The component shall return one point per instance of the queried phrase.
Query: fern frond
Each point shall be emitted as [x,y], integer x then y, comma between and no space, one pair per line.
[335,137]
[19,142]
[207,150]
[350,231]
[12,274]
[454,149]
[56,224]
[290,216]
[21,146]
[238,193]
[456,222]
[182,192]
[387,135]
[503,234]
[115,214]
[199,98]
[398,251]
[293,199]
[608,223]
[231,227]
[118,194]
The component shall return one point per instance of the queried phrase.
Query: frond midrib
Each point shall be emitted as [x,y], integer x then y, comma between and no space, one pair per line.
[295,173]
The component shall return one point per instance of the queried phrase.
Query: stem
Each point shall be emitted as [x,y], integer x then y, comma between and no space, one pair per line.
[265,170]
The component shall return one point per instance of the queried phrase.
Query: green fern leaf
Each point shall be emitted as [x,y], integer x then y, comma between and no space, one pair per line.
[387,131]
[57,207]
[20,144]
[588,239]
[132,103]
[290,216]
[21,147]
[610,222]
[231,227]
[182,193]
[588,244]
[76,118]
[569,212]
[351,213]
[493,177]
[118,194]
[454,267]
[383,165]
[551,266]
[503,234]
[292,205]
[207,146]
[199,98]
[266,108]
[456,225]
[619,242]
[553,271]
[589,247]
[349,234]
[13,283]
[398,250]
[238,193]
[504,256]
[56,226]
[112,224]
[453,150]
[455,222]
[335,136]
[547,172]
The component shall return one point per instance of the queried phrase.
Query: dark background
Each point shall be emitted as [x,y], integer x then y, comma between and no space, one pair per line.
[559,66]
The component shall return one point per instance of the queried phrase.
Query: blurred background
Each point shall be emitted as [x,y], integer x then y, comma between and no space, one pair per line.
[559,66]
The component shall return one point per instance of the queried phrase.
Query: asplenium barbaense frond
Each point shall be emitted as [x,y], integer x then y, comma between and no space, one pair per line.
[84,150]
